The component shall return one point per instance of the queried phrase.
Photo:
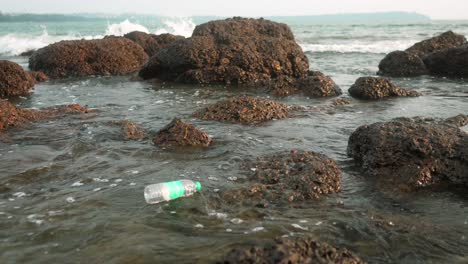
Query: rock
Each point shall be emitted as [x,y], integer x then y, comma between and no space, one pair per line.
[303,250]
[443,41]
[179,133]
[449,63]
[132,131]
[152,43]
[244,110]
[11,116]
[340,102]
[288,176]
[231,51]
[27,53]
[74,58]
[316,84]
[38,76]
[412,61]
[14,81]
[413,152]
[373,88]
[402,64]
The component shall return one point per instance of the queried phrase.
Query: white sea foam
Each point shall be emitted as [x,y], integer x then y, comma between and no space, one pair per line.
[385,46]
[120,29]
[183,26]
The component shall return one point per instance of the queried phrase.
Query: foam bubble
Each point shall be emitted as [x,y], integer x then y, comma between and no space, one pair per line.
[182,26]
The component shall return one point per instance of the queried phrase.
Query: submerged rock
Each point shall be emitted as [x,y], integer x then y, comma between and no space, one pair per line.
[179,133]
[288,176]
[38,76]
[449,63]
[316,84]
[231,51]
[73,58]
[413,152]
[132,131]
[244,110]
[14,81]
[372,88]
[11,116]
[402,64]
[411,62]
[291,251]
[152,43]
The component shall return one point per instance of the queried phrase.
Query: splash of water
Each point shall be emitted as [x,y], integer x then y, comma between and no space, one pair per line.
[124,27]
[182,26]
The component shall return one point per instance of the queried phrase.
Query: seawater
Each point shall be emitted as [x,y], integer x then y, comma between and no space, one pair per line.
[73,191]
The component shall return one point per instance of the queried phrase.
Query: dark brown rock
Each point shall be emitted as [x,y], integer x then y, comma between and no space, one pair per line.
[38,76]
[449,63]
[413,152]
[27,53]
[291,251]
[152,43]
[316,84]
[72,58]
[402,64]
[288,176]
[11,116]
[132,131]
[14,81]
[231,51]
[443,41]
[244,110]
[373,88]
[411,62]
[179,133]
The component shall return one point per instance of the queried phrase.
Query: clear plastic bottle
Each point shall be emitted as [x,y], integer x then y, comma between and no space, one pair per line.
[166,191]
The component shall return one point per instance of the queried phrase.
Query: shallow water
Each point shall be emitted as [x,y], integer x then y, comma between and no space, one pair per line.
[72,191]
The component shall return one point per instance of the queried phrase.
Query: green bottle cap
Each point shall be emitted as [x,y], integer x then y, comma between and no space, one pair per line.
[198,184]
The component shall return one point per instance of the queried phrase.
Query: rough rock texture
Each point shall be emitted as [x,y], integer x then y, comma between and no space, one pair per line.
[71,58]
[244,110]
[38,76]
[449,63]
[443,41]
[288,176]
[14,81]
[179,133]
[11,116]
[132,131]
[402,64]
[412,61]
[372,88]
[292,251]
[231,51]
[413,152]
[315,84]
[152,43]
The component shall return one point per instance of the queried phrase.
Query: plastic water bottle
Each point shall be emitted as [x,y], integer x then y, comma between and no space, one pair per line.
[166,191]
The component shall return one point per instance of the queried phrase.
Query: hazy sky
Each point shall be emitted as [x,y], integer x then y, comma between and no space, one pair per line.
[437,9]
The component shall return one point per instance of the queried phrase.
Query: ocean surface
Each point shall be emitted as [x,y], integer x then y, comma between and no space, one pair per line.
[76,190]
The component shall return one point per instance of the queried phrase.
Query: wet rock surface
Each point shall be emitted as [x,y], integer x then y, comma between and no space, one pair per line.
[413,152]
[244,110]
[402,64]
[179,133]
[152,43]
[231,51]
[288,177]
[373,88]
[412,61]
[289,250]
[14,81]
[38,76]
[449,63]
[74,58]
[316,84]
[11,116]
[131,130]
